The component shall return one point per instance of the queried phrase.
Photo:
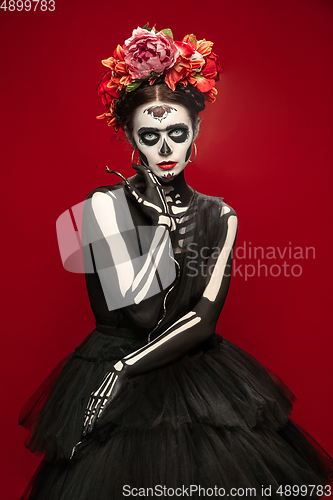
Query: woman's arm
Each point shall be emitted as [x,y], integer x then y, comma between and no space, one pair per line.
[197,325]
[134,264]
[193,328]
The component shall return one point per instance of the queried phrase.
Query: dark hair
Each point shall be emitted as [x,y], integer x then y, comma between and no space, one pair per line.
[128,102]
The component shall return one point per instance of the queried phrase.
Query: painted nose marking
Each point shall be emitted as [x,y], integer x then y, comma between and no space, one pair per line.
[165,149]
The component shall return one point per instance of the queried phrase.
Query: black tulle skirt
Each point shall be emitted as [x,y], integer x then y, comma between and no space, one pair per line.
[212,424]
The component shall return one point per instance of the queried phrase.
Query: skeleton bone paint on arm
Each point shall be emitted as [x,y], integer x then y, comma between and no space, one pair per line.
[197,325]
[188,331]
[135,279]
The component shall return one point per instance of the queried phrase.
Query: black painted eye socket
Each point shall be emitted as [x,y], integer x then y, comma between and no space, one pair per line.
[149,138]
[179,134]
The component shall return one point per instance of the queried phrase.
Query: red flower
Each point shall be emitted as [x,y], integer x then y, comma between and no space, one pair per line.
[212,67]
[209,74]
[191,41]
[204,84]
[106,92]
[149,54]
[185,49]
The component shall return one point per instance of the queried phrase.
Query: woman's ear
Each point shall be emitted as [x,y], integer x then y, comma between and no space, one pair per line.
[196,129]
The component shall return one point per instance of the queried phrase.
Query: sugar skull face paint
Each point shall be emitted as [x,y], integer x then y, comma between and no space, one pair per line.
[159,112]
[163,134]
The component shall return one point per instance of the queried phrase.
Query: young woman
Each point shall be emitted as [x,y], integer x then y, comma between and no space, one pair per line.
[153,403]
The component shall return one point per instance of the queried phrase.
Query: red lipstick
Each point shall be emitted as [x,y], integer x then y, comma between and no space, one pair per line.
[167,165]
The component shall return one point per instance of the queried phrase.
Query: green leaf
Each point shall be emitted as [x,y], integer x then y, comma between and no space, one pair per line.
[145,26]
[167,31]
[154,74]
[133,86]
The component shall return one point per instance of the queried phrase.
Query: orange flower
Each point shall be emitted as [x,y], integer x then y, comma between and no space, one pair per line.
[119,68]
[178,72]
[110,117]
[211,95]
[119,53]
[204,47]
[189,61]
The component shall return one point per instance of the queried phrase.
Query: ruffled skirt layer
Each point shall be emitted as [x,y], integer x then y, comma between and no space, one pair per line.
[212,424]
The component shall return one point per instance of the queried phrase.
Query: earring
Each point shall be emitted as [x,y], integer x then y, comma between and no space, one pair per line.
[137,160]
[195,153]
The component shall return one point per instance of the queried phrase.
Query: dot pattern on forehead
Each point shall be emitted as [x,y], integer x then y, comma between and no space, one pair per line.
[159,112]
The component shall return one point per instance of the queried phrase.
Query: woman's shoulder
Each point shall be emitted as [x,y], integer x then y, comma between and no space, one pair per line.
[215,203]
[105,189]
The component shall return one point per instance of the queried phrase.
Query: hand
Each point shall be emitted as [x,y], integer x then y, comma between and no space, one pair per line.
[152,202]
[111,386]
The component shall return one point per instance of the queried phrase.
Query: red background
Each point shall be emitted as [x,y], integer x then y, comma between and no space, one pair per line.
[265,145]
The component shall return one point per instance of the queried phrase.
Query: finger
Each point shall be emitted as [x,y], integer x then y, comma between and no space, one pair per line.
[140,198]
[88,411]
[103,388]
[99,398]
[150,178]
[162,198]
[91,419]
[111,385]
[89,416]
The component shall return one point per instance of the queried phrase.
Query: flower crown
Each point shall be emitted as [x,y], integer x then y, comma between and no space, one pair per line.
[148,54]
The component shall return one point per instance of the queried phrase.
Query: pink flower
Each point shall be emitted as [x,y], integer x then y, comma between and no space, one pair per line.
[148,51]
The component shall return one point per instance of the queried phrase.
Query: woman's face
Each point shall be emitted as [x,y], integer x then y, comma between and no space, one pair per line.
[163,134]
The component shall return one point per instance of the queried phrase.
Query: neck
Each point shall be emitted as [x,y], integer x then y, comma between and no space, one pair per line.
[178,186]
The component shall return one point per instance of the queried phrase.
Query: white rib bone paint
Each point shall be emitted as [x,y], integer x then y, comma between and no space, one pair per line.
[215,281]
[185,229]
[178,210]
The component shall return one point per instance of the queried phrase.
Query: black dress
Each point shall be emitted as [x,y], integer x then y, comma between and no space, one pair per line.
[216,419]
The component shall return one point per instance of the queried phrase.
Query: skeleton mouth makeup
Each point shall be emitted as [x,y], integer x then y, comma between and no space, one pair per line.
[168,176]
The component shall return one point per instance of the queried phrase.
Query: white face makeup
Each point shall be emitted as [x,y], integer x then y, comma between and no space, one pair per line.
[163,134]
